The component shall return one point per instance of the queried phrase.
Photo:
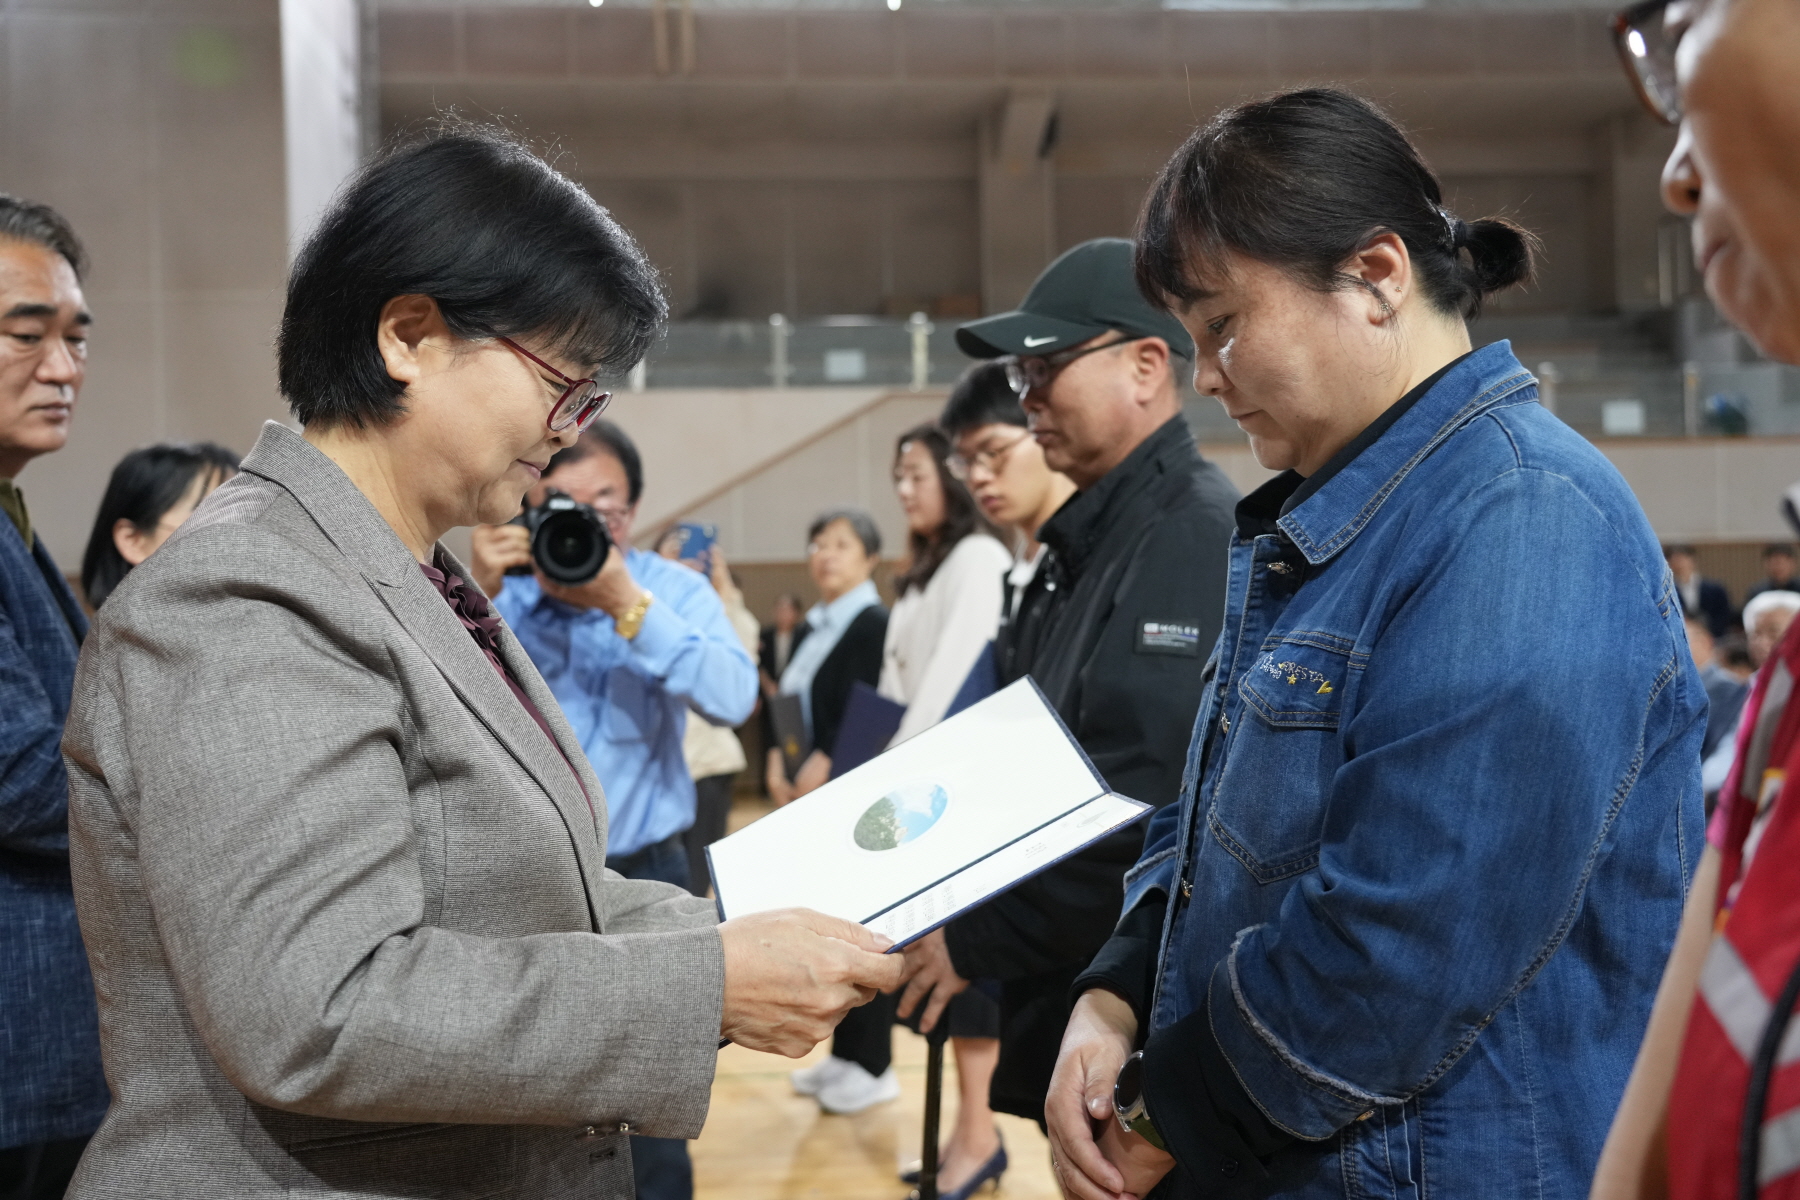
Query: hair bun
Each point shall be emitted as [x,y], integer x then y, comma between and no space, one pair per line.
[1503,255]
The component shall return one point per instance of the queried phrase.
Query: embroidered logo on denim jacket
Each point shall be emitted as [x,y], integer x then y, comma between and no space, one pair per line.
[1294,675]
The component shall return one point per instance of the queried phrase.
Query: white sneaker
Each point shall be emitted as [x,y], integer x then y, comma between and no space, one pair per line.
[810,1081]
[855,1089]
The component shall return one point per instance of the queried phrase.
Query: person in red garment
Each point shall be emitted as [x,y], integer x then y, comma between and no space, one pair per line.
[1712,1109]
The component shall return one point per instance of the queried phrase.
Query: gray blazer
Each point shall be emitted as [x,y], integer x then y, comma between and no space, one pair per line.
[345,904]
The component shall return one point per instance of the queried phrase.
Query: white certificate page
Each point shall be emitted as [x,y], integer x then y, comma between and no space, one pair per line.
[926,811]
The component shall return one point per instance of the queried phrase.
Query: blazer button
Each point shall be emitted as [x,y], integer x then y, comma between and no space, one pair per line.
[588,1132]
[1229,1168]
[624,1127]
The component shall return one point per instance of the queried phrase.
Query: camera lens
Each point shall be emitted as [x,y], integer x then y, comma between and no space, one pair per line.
[570,545]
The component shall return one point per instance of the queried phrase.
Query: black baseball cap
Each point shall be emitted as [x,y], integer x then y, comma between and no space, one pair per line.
[1080,296]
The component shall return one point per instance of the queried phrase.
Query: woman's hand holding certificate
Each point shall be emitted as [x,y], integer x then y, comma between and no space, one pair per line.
[792,974]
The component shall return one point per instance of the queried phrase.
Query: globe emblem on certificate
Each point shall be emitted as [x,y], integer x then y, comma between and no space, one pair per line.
[901,816]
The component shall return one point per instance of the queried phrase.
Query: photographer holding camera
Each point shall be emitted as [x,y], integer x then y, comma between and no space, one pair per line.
[626,648]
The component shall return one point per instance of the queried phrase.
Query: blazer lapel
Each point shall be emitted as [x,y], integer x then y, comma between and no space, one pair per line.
[359,532]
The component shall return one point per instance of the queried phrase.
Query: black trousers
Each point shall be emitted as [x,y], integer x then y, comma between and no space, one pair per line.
[866,1035]
[39,1170]
[712,807]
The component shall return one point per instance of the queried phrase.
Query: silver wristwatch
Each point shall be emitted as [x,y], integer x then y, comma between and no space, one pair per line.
[1128,1102]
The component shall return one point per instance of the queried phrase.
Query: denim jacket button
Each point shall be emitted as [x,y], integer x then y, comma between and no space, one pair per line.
[1229,1168]
[1225,724]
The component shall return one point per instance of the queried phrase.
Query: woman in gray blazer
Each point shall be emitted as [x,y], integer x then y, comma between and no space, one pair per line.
[337,855]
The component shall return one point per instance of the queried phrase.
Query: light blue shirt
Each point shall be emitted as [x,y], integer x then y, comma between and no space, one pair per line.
[628,700]
[827,623]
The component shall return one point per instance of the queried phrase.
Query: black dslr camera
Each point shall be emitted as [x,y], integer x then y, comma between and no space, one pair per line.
[569,541]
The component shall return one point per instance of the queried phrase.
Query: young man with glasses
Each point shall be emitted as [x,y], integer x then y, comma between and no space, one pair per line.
[626,654]
[1115,625]
[1004,468]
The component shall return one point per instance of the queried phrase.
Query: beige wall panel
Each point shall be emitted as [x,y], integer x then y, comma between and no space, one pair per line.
[845,45]
[938,45]
[932,235]
[1034,45]
[739,45]
[742,250]
[612,43]
[517,43]
[656,215]
[218,397]
[417,43]
[1204,45]
[840,247]
[764,518]
[1092,208]
[696,443]
[80,140]
[1559,209]
[164,150]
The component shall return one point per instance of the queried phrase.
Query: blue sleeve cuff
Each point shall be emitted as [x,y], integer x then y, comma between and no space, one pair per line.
[661,633]
[1299,1098]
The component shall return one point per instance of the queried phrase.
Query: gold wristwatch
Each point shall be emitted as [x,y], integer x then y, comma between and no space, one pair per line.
[633,620]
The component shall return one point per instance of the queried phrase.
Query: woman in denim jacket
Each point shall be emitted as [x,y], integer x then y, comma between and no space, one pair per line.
[1402,934]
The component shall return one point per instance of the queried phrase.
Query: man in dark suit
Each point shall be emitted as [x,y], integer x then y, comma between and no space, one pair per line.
[1706,600]
[52,1092]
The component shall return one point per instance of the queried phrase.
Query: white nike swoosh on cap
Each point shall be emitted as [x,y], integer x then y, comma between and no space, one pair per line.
[1031,341]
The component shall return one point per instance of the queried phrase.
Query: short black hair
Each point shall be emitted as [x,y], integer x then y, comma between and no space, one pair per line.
[981,397]
[1775,548]
[607,437]
[860,522]
[1302,180]
[1673,548]
[29,221]
[472,217]
[144,486]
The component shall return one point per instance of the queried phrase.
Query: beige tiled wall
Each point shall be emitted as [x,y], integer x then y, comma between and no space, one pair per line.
[156,129]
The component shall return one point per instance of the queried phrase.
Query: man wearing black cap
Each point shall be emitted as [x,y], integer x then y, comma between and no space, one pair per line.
[1115,626]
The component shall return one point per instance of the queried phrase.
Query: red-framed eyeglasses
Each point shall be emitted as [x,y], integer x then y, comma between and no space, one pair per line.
[582,399]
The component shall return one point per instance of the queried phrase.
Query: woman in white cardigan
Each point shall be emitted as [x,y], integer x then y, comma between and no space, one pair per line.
[948,610]
[951,591]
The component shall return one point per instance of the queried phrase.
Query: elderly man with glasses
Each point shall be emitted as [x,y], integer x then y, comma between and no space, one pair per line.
[1115,624]
[52,1092]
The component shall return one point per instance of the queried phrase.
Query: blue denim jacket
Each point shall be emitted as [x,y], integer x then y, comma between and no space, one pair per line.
[1441,806]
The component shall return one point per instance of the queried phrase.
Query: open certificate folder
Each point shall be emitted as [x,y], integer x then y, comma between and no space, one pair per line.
[936,825]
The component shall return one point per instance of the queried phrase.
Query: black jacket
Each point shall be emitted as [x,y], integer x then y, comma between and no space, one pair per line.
[1115,628]
[856,656]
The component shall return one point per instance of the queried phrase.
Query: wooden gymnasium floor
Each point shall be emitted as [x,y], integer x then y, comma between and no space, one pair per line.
[762,1142]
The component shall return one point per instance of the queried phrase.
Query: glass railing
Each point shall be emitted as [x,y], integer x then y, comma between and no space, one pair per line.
[1606,377]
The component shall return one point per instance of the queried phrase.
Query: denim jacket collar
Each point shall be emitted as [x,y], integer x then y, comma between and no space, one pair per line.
[1330,518]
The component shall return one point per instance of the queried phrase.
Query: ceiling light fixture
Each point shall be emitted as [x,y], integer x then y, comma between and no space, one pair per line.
[893,5]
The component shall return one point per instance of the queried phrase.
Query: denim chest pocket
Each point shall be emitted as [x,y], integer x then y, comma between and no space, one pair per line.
[1280,755]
